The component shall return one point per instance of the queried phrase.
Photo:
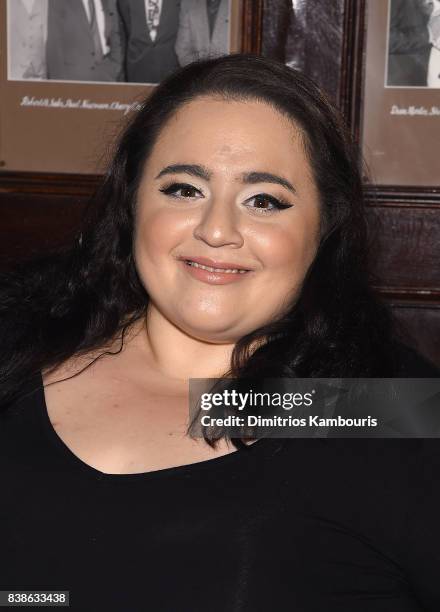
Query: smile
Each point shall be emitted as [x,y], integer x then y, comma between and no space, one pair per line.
[214,276]
[222,270]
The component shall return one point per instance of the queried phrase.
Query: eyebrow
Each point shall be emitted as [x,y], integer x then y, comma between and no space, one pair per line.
[193,169]
[267,177]
[249,178]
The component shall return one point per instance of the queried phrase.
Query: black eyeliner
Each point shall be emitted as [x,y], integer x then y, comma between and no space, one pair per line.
[279,204]
[173,187]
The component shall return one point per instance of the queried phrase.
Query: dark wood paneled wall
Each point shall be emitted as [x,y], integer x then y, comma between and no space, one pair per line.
[34,223]
[404,221]
[406,239]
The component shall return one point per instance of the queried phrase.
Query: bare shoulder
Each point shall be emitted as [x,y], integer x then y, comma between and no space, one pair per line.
[71,367]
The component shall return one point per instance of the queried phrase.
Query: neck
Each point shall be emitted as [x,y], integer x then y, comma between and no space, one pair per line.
[175,355]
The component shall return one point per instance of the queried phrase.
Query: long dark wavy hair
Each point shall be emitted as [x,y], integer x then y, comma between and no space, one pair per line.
[84,297]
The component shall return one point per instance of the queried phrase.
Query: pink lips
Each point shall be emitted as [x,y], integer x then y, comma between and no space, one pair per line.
[214,278]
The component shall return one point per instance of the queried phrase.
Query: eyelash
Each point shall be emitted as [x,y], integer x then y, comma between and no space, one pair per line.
[279,204]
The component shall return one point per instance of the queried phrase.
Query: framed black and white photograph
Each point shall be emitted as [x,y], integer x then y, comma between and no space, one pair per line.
[413,50]
[112,41]
[400,126]
[73,71]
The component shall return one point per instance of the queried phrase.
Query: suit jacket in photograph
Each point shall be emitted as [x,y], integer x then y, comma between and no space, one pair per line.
[70,50]
[148,61]
[409,46]
[193,37]
[27,34]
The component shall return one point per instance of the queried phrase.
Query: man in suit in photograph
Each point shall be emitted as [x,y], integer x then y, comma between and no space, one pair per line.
[409,45]
[150,30]
[27,34]
[84,41]
[203,30]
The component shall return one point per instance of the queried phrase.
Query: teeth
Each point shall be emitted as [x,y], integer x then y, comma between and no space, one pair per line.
[197,265]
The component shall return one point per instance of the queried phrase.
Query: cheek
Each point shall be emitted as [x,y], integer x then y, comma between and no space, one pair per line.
[287,253]
[155,236]
[289,248]
[157,232]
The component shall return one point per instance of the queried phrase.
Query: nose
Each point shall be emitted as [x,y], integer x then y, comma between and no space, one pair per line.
[218,225]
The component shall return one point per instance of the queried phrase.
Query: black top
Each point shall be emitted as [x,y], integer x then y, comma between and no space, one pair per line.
[292,525]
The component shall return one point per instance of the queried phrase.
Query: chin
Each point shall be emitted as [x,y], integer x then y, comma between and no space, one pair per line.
[211,331]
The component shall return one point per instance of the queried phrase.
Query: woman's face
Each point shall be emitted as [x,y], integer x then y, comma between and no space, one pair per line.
[228,181]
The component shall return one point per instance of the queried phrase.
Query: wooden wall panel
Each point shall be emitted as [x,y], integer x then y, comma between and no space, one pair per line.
[407,247]
[35,223]
[421,324]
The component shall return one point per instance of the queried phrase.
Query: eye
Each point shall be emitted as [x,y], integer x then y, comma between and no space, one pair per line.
[264,200]
[181,190]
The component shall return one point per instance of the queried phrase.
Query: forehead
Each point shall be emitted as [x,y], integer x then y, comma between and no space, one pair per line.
[230,132]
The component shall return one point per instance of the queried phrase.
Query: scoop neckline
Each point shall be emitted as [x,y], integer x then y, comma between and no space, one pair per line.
[178,470]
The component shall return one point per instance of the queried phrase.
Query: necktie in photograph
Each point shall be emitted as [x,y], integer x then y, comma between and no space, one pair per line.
[94,30]
[153,18]
[212,6]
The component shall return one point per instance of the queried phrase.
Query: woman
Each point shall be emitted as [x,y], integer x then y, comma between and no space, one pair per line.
[238,162]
